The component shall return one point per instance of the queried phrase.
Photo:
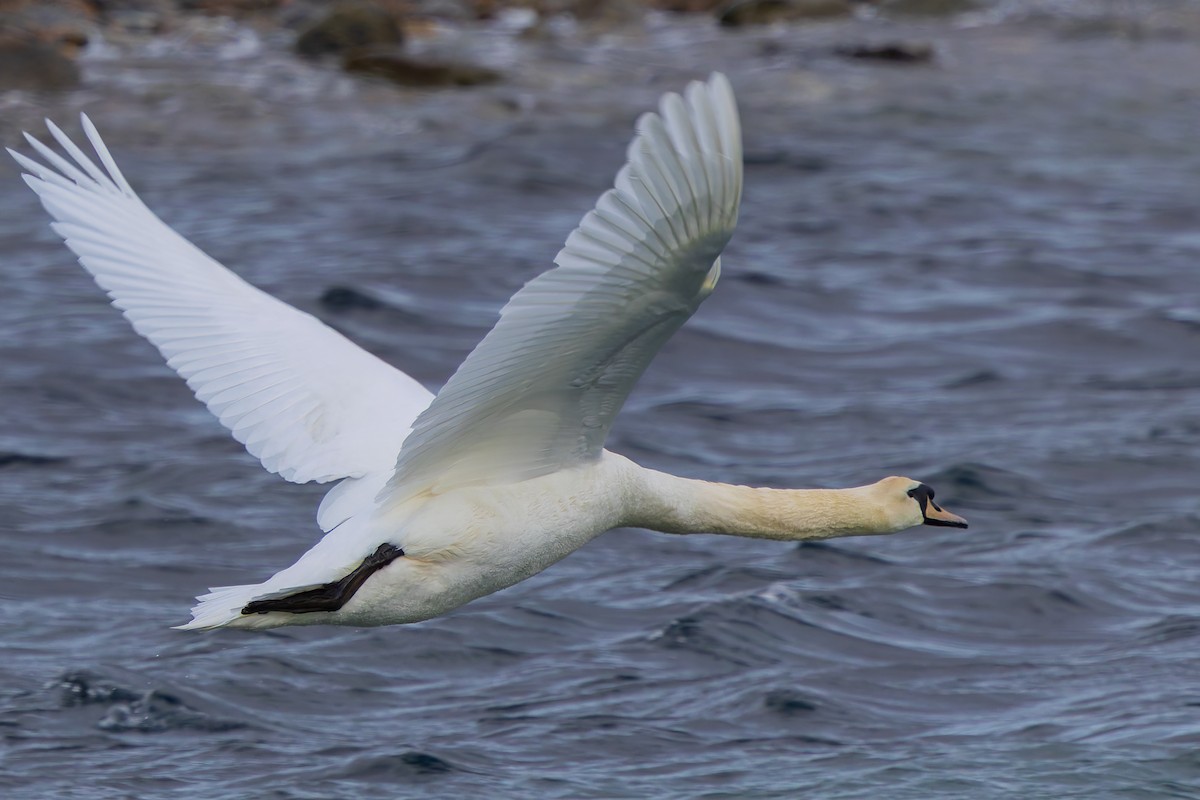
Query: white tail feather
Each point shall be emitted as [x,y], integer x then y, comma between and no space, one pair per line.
[222,607]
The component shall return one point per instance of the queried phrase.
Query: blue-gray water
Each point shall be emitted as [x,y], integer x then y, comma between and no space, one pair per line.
[981,273]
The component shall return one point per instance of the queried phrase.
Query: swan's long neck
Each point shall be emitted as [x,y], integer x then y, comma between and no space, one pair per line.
[670,504]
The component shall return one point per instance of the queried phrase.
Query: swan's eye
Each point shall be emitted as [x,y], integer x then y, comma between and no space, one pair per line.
[923,495]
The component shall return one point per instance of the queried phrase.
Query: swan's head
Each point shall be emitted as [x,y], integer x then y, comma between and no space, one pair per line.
[907,503]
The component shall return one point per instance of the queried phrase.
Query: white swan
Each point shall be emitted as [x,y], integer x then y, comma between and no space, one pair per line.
[504,472]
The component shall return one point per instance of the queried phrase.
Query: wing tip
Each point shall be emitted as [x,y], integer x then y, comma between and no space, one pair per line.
[55,131]
[101,149]
[719,82]
[22,160]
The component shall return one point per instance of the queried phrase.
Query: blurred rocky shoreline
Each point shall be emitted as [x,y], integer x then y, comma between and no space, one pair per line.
[41,40]
[306,65]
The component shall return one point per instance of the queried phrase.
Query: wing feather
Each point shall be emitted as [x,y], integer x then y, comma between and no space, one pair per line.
[541,390]
[307,402]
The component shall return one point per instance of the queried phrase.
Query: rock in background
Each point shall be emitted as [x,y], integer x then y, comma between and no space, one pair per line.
[350,28]
[39,42]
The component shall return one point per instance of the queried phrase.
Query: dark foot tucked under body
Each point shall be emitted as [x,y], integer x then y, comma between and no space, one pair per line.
[329,596]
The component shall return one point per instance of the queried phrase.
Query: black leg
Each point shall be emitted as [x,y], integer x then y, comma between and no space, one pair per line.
[330,596]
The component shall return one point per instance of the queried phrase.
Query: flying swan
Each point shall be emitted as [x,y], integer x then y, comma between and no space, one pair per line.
[444,499]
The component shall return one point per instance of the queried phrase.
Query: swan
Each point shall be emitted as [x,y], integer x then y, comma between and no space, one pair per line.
[442,500]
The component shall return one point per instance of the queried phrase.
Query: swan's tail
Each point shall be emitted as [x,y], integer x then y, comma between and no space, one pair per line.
[222,608]
[330,559]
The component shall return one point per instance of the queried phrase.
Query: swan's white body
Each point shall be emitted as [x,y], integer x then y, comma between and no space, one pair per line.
[504,473]
[464,544]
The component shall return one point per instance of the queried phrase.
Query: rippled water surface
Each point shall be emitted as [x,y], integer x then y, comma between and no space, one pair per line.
[982,273]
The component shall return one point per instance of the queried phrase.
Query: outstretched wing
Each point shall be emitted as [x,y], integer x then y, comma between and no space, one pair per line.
[541,390]
[311,405]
